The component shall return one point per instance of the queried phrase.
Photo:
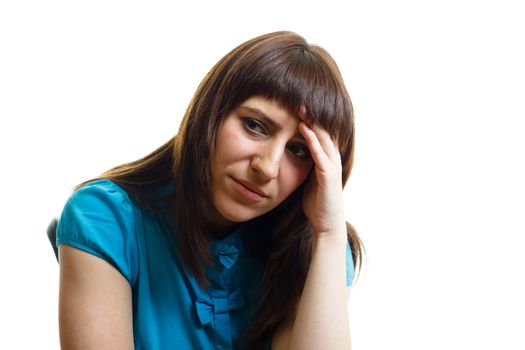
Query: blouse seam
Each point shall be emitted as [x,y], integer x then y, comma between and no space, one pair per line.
[91,251]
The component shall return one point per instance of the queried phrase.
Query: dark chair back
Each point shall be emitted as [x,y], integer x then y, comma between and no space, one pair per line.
[52,235]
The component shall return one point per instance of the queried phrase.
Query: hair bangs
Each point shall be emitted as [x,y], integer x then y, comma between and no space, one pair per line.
[297,76]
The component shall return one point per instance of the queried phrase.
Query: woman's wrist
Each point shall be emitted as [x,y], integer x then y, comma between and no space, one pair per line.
[337,234]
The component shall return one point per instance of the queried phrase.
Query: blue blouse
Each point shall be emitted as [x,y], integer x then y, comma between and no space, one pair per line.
[170,310]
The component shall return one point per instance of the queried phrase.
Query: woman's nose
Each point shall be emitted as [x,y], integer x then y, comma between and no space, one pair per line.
[266,163]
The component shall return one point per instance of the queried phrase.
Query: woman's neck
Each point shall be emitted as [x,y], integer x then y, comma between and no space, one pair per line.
[218,226]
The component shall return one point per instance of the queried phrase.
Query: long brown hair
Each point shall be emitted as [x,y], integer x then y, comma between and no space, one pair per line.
[280,66]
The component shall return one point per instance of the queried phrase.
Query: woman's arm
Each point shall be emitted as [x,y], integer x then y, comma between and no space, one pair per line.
[95,310]
[321,321]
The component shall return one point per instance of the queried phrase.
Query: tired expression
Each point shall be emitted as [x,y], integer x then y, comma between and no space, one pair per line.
[260,158]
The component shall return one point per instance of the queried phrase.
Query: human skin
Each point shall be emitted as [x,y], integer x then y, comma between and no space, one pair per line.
[270,163]
[95,307]
[259,159]
[321,320]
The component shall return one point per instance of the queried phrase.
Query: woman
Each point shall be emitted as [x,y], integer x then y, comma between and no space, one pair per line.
[231,234]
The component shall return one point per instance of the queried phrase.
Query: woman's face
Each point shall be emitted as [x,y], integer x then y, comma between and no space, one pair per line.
[260,158]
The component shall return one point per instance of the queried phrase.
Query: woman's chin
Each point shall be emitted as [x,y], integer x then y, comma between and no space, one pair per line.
[239,216]
[226,216]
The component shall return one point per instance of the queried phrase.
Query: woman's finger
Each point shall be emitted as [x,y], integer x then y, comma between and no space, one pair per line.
[319,155]
[329,145]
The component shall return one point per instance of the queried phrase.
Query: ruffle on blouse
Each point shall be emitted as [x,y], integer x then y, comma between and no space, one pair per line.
[213,306]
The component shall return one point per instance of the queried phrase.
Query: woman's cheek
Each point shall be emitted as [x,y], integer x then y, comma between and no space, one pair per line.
[295,175]
[235,142]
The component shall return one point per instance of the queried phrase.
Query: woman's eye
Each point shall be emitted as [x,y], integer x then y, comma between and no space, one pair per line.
[299,150]
[254,126]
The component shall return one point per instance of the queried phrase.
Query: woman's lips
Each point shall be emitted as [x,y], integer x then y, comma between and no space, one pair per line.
[248,191]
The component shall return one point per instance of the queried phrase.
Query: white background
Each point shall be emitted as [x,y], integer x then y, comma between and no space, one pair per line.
[437,192]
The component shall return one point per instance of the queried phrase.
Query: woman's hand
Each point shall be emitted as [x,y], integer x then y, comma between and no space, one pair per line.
[321,320]
[323,191]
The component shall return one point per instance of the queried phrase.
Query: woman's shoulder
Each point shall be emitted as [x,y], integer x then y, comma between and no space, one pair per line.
[99,218]
[102,195]
[99,187]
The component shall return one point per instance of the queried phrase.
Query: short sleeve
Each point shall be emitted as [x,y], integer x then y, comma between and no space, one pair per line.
[99,219]
[350,269]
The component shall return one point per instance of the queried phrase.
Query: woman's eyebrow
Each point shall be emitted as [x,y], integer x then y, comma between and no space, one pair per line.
[260,114]
[269,121]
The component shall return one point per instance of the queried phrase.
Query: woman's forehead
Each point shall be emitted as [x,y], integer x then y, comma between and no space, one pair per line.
[275,102]
[272,111]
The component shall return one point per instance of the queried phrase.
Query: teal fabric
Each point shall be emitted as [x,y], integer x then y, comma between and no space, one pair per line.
[170,310]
